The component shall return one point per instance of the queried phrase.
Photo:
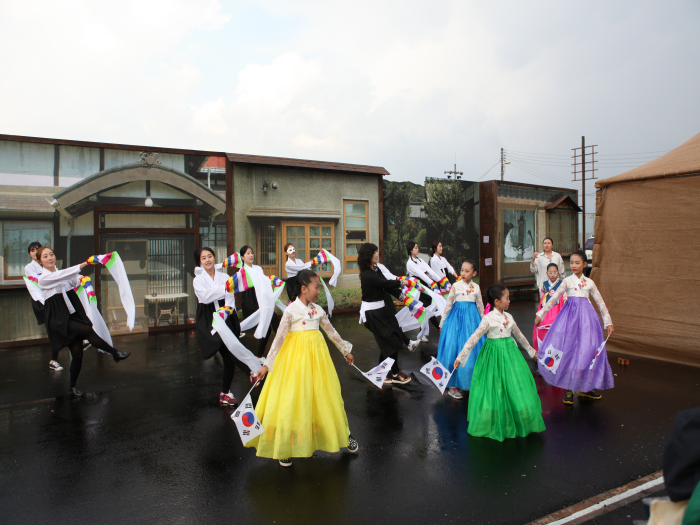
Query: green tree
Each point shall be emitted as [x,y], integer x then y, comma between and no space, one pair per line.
[444,206]
[397,200]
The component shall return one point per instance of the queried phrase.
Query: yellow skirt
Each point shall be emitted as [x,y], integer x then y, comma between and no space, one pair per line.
[300,406]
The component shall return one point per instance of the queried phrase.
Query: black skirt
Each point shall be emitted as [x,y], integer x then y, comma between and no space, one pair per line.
[56,316]
[385,328]
[291,288]
[38,311]
[210,344]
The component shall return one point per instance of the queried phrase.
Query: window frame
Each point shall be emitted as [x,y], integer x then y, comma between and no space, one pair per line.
[307,237]
[353,258]
[5,277]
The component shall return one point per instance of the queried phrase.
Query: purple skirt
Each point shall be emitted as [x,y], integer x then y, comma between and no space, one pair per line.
[577,333]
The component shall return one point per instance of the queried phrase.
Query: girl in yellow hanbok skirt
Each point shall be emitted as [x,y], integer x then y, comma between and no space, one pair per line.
[300,407]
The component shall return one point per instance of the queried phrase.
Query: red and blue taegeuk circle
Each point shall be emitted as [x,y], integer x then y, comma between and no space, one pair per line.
[437,372]
[248,419]
[549,362]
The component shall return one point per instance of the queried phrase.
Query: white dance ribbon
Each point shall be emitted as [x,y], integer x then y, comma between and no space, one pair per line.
[234,346]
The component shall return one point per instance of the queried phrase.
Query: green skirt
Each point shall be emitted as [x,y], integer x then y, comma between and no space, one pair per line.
[503,402]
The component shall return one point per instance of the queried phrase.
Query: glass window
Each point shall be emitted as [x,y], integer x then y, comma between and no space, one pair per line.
[355,225]
[355,208]
[326,231]
[314,231]
[31,163]
[16,237]
[77,163]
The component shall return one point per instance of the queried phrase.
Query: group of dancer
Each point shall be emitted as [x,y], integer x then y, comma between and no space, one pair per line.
[300,406]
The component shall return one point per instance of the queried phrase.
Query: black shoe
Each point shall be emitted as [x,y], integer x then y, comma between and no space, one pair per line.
[353,447]
[121,356]
[75,392]
[86,344]
[569,398]
[591,395]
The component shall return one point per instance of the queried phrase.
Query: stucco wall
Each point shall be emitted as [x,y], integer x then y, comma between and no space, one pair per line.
[302,189]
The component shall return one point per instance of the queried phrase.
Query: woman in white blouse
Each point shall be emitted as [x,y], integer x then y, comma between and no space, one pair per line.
[440,265]
[210,288]
[418,268]
[67,324]
[540,261]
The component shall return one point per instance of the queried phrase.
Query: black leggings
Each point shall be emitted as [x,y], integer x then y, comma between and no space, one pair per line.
[230,364]
[76,347]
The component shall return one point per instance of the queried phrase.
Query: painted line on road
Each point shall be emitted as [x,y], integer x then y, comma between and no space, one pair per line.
[604,502]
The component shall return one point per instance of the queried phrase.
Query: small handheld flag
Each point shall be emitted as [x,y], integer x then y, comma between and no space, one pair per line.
[551,359]
[247,422]
[437,373]
[597,352]
[378,374]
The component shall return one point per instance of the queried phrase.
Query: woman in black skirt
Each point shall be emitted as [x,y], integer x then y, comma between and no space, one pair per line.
[210,289]
[67,324]
[249,301]
[378,312]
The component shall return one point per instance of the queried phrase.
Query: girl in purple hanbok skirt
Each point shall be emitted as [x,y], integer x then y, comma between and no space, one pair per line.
[572,355]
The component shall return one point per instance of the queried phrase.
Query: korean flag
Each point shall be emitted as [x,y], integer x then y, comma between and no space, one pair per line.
[378,374]
[247,421]
[597,353]
[437,373]
[551,359]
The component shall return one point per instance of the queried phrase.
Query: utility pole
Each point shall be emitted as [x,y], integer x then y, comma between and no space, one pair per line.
[502,158]
[592,169]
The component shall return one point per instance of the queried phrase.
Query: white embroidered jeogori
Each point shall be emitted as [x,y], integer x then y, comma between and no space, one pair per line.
[299,317]
[495,325]
[572,286]
[463,292]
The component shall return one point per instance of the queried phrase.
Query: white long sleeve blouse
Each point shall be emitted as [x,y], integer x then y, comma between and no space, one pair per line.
[420,269]
[210,290]
[463,292]
[440,266]
[573,286]
[496,325]
[293,267]
[539,267]
[298,317]
[60,281]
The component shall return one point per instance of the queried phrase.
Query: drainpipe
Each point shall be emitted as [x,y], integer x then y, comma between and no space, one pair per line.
[209,177]
[71,221]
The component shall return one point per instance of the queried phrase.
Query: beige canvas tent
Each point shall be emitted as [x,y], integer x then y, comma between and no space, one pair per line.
[646,260]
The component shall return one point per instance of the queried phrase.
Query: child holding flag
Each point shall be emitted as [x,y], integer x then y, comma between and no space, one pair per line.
[300,406]
[576,334]
[503,401]
[549,288]
[462,316]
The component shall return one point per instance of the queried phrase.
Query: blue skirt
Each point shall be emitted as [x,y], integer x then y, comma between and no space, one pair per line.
[461,323]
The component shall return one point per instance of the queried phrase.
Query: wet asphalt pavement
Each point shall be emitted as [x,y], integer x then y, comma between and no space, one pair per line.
[150,443]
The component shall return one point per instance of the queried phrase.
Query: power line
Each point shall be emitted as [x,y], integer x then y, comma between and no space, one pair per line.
[494,165]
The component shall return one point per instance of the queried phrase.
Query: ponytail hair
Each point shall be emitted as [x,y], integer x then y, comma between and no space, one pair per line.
[434,246]
[304,278]
[473,263]
[244,249]
[198,254]
[495,291]
[409,246]
[581,254]
[285,249]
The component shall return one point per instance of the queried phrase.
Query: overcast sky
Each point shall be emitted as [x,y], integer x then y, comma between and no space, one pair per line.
[399,84]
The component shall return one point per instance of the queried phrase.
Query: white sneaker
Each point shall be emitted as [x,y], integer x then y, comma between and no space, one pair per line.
[242,335]
[286,462]
[425,339]
[53,365]
[413,345]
